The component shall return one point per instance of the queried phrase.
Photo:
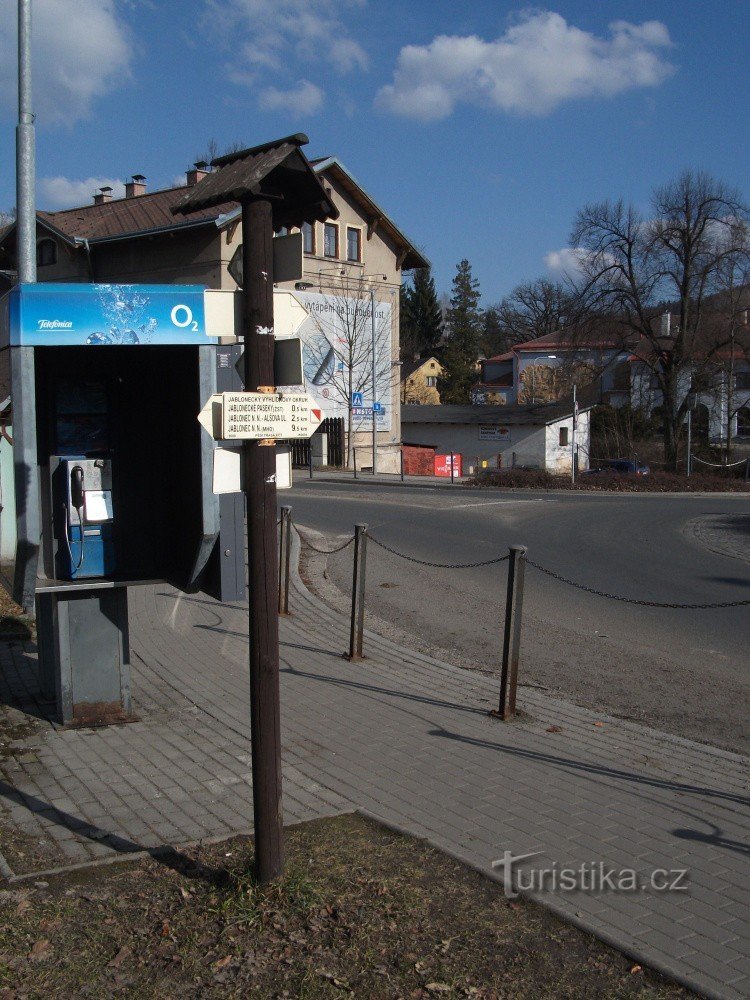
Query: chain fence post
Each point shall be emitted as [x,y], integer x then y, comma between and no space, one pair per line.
[285,547]
[310,461]
[354,453]
[512,636]
[357,626]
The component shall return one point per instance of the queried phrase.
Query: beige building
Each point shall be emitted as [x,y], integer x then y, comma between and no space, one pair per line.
[138,239]
[419,381]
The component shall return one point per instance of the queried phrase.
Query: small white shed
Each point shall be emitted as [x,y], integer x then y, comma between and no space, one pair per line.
[539,436]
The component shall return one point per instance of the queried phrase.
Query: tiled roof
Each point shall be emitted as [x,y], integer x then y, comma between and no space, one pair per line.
[535,414]
[126,216]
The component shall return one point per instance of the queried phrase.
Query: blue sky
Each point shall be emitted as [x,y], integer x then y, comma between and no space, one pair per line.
[480,128]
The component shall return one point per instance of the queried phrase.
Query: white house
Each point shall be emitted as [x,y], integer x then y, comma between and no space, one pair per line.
[535,437]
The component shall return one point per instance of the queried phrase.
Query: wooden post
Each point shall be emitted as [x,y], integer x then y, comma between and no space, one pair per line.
[259,459]
[512,636]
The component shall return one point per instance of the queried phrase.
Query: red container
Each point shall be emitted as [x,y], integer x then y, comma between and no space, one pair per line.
[443,465]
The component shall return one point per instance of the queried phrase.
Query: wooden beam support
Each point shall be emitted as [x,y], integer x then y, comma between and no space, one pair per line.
[260,487]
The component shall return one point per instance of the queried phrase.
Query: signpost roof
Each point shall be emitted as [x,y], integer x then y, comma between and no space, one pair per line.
[277,171]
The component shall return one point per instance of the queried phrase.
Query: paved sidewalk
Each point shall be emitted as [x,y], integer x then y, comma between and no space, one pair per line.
[409,740]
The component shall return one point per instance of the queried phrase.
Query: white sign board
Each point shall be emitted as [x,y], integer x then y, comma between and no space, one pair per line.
[228,477]
[490,433]
[259,415]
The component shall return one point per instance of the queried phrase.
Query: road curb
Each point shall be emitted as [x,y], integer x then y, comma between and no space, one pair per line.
[504,490]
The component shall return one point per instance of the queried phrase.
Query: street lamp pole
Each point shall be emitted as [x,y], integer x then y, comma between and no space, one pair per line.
[374,414]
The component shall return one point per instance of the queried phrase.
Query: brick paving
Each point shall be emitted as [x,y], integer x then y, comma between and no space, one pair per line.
[407,739]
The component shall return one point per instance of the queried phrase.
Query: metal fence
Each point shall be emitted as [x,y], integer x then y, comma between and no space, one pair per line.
[517,560]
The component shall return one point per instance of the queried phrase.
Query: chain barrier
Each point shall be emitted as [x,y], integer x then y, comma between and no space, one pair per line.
[719,465]
[322,552]
[635,600]
[425,562]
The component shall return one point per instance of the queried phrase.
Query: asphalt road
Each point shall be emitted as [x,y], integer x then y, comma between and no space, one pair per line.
[685,671]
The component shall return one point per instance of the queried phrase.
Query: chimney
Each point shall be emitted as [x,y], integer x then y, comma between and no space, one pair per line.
[136,186]
[102,195]
[199,171]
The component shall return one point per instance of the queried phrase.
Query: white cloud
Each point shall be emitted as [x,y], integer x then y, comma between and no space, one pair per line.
[305,99]
[539,63]
[81,51]
[269,34]
[62,192]
[564,263]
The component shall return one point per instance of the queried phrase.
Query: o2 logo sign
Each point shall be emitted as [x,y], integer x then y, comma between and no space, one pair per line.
[182,317]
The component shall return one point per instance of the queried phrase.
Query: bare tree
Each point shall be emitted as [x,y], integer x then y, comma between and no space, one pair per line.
[634,267]
[339,356]
[534,309]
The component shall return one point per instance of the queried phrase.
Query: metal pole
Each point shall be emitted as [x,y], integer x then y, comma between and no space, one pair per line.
[512,636]
[23,385]
[374,387]
[310,458]
[402,464]
[285,548]
[451,466]
[260,485]
[689,439]
[354,452]
[573,439]
[357,625]
[25,153]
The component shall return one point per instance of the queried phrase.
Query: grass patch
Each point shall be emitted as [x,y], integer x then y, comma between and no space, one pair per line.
[361,912]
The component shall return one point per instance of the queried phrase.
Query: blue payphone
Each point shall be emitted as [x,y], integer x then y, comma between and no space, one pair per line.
[84,485]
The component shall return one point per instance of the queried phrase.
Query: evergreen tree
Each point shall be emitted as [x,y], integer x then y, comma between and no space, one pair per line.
[463,331]
[421,317]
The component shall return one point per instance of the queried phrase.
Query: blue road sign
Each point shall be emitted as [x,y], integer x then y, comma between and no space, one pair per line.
[357,399]
[377,407]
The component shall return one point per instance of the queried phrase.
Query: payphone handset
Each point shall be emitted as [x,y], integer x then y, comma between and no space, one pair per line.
[88,516]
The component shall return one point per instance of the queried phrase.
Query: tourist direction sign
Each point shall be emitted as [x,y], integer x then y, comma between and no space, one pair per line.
[265,416]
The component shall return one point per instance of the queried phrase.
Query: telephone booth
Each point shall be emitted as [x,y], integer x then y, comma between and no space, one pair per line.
[111,378]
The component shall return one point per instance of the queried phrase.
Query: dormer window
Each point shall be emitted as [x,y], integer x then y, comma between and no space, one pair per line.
[46,253]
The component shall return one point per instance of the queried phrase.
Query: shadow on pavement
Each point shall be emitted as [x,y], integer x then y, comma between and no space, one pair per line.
[164,854]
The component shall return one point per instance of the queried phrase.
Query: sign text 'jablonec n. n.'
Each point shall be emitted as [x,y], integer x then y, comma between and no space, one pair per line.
[257,415]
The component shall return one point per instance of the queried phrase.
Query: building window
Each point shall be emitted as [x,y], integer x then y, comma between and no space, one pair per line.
[431,381]
[353,244]
[46,253]
[308,237]
[563,437]
[330,240]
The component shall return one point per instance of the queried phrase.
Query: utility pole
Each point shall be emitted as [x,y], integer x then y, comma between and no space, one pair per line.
[25,166]
[259,459]
[573,438]
[23,386]
[374,387]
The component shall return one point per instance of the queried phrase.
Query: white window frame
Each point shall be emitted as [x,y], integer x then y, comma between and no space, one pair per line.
[335,226]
